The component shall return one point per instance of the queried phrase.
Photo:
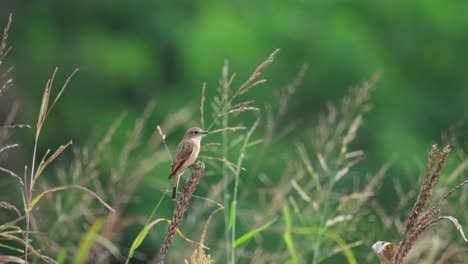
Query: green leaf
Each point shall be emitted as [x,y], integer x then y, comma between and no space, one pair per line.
[332,235]
[251,234]
[62,255]
[144,232]
[141,236]
[87,241]
[287,235]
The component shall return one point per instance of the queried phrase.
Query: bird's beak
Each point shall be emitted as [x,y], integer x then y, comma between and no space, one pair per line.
[205,132]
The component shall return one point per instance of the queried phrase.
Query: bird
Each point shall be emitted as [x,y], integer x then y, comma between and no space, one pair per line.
[186,154]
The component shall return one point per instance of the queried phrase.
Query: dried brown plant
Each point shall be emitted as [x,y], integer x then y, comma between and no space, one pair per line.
[5,81]
[199,256]
[180,210]
[418,220]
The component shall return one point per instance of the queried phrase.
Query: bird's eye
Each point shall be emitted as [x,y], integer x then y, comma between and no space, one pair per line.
[195,132]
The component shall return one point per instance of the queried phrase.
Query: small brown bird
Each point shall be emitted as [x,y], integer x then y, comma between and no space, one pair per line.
[186,154]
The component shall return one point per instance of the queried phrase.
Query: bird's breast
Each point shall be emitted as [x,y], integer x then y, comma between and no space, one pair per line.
[196,149]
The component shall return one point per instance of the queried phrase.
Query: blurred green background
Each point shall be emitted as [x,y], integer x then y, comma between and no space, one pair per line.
[129,52]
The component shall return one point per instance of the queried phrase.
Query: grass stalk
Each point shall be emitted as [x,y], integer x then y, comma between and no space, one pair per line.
[323,220]
[225,145]
[225,104]
[233,209]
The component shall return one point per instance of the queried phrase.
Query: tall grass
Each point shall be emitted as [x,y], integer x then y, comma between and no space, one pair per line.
[30,200]
[290,188]
[224,106]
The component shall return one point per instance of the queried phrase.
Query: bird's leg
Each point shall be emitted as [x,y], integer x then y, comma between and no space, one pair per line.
[194,165]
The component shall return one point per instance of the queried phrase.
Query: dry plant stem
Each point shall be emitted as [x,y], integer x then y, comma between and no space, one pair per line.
[413,224]
[3,44]
[447,256]
[417,222]
[420,202]
[205,226]
[3,52]
[180,210]
[43,113]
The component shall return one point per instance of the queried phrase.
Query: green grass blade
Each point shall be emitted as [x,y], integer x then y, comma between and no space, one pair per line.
[251,234]
[287,235]
[141,236]
[62,256]
[87,241]
[348,253]
[25,206]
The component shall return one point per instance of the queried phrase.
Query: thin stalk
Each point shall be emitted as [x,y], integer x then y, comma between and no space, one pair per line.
[155,208]
[34,162]
[236,188]
[323,219]
[26,206]
[225,145]
[29,194]
[163,138]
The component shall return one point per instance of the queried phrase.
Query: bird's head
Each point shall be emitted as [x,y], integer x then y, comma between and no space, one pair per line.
[195,133]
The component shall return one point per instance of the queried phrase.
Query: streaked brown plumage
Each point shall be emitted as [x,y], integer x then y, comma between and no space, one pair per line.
[186,154]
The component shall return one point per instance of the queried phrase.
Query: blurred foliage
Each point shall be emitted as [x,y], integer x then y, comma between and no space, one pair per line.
[128,53]
[131,52]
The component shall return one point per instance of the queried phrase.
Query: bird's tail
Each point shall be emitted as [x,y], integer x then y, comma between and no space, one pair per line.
[174,188]
[174,192]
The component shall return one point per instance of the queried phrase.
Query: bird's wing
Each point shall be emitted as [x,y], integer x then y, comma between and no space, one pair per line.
[183,152]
